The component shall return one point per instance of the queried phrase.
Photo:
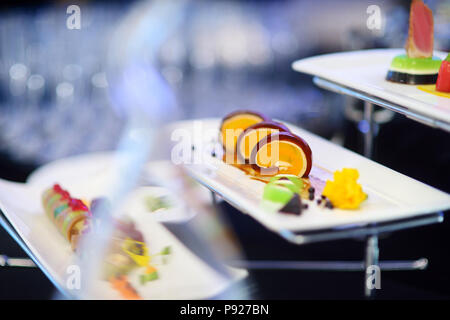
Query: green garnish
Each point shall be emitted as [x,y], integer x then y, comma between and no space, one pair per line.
[282,187]
[167,250]
[157,203]
[403,63]
[144,278]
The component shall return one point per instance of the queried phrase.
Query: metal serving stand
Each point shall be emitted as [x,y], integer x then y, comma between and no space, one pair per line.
[369,103]
[31,262]
[368,232]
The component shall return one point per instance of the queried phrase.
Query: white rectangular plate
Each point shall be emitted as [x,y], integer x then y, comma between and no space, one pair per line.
[185,276]
[366,71]
[391,195]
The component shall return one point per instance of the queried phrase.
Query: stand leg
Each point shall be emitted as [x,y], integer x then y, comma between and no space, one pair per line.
[214,198]
[368,136]
[371,257]
[344,266]
[6,261]
[371,260]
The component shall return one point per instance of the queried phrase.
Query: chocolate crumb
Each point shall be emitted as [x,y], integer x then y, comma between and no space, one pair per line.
[294,206]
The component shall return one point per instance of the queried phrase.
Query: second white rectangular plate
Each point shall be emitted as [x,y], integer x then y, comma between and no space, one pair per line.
[185,276]
[366,70]
[391,195]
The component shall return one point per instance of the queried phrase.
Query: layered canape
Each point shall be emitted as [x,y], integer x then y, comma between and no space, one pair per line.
[417,66]
[126,251]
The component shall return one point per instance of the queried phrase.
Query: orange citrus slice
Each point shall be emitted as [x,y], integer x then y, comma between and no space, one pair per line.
[234,124]
[252,135]
[282,153]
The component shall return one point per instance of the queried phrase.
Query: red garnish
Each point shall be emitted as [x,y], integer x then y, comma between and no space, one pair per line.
[77,204]
[443,80]
[74,204]
[64,194]
[57,188]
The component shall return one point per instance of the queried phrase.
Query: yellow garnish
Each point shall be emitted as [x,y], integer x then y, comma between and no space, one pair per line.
[431,88]
[141,258]
[344,192]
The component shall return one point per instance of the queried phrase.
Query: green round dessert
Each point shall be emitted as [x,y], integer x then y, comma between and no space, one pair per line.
[408,70]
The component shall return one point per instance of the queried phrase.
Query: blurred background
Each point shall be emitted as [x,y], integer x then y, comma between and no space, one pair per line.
[219,56]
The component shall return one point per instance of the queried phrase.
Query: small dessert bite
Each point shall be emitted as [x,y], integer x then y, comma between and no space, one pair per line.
[282,153]
[408,70]
[234,124]
[252,135]
[71,216]
[443,80]
[284,191]
[282,187]
[418,66]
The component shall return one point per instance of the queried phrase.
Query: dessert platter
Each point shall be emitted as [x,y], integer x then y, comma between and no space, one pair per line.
[413,81]
[286,178]
[291,180]
[142,260]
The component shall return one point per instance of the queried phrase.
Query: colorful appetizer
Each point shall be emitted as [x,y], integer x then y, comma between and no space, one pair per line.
[252,135]
[282,153]
[234,124]
[417,66]
[284,191]
[71,216]
[126,251]
[408,70]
